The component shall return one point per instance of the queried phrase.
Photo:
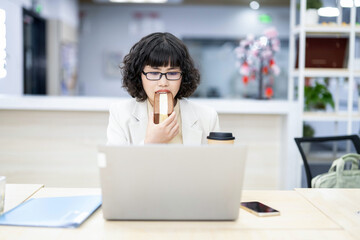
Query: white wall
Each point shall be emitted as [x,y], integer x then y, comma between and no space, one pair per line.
[64,10]
[12,83]
[107,29]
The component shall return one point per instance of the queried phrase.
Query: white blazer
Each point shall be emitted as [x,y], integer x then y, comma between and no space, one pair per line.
[128,122]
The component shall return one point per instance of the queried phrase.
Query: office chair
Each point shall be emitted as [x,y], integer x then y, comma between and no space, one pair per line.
[318,153]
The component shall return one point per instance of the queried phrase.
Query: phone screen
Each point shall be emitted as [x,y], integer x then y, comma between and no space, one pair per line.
[259,207]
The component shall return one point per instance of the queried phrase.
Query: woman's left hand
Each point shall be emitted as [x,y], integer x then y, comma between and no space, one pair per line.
[162,132]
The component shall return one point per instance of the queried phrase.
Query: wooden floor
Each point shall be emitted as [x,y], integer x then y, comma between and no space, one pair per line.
[59,148]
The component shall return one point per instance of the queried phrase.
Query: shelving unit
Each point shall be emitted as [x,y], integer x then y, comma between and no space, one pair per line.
[320,29]
[301,31]
[326,117]
[328,72]
[321,116]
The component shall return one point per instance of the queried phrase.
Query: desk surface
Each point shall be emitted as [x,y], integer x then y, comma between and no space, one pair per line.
[299,219]
[18,193]
[340,205]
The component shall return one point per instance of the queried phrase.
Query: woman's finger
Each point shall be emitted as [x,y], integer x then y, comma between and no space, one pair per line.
[169,119]
[172,124]
[174,131]
[151,117]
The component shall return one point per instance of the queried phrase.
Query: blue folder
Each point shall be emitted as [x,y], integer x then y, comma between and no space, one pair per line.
[66,212]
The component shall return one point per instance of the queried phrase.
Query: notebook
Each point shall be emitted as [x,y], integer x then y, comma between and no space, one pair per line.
[65,212]
[171,182]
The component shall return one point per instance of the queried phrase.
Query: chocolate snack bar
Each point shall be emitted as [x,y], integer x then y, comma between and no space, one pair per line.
[163,106]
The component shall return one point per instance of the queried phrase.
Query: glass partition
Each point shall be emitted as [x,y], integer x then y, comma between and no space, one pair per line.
[219,69]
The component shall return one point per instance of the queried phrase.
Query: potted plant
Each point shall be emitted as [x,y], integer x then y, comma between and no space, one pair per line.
[308,130]
[311,15]
[317,97]
[313,4]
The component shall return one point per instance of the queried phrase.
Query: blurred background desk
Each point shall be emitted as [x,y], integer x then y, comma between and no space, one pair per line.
[299,219]
[53,140]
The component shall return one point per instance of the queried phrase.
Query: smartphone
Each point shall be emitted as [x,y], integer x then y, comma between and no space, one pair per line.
[259,209]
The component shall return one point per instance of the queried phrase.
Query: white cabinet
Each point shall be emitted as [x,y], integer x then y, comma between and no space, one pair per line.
[299,33]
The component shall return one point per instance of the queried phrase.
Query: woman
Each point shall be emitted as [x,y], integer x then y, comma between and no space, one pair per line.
[160,62]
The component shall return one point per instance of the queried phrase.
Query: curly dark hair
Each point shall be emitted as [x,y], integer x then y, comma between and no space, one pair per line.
[157,50]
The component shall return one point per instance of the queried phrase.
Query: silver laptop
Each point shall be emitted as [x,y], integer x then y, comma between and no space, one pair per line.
[171,182]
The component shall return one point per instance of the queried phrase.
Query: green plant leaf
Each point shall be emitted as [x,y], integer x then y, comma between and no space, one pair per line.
[317,97]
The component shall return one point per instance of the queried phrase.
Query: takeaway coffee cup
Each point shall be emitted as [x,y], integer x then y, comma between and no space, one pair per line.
[220,138]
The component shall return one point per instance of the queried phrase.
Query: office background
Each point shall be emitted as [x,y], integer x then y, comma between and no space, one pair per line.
[52,138]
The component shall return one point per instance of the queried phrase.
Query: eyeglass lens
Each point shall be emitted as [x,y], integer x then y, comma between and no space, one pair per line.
[158,75]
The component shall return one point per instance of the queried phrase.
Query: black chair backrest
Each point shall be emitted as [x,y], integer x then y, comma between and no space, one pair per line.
[354,139]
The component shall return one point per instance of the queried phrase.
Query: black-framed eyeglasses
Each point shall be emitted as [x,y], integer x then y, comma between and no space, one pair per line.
[155,76]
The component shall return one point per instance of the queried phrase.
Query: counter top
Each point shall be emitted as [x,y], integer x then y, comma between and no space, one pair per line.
[65,103]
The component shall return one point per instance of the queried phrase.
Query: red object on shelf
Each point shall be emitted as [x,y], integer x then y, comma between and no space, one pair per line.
[272,62]
[245,79]
[269,92]
[265,70]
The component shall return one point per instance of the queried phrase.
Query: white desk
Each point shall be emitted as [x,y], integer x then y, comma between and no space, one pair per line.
[340,205]
[299,219]
[18,193]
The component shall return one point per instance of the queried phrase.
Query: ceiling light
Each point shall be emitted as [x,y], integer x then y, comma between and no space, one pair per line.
[346,3]
[138,1]
[254,5]
[328,12]
[349,3]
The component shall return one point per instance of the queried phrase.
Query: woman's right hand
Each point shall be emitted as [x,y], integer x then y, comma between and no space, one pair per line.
[162,132]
